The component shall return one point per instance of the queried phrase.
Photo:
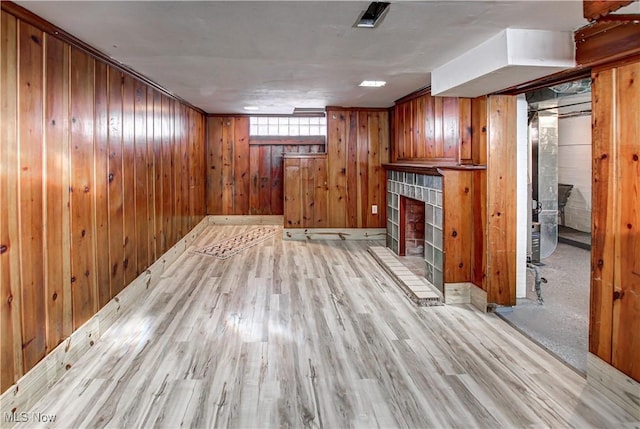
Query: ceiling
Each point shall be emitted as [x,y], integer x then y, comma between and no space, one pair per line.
[223,55]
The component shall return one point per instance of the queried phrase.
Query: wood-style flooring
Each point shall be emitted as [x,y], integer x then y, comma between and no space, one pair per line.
[312,334]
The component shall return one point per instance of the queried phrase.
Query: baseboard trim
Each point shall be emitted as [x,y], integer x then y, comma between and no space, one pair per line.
[21,396]
[457,293]
[334,234]
[614,384]
[245,220]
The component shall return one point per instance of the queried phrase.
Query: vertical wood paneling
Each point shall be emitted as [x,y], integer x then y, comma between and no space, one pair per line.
[292,193]
[354,190]
[464,105]
[101,187]
[150,163]
[479,130]
[157,179]
[264,178]
[337,165]
[140,183]
[305,191]
[603,209]
[450,128]
[241,166]
[10,304]
[227,165]
[62,227]
[501,200]
[432,129]
[458,224]
[214,165]
[185,171]
[167,174]
[626,309]
[57,273]
[478,248]
[355,157]
[30,87]
[116,197]
[277,201]
[85,300]
[129,261]
[363,163]
[320,206]
[254,185]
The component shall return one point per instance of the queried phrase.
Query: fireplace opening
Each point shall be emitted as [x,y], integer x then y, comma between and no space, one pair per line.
[413,226]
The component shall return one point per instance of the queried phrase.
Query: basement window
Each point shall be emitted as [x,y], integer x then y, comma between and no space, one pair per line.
[263,126]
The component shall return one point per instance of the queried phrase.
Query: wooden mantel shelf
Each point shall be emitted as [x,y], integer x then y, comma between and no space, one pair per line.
[429,168]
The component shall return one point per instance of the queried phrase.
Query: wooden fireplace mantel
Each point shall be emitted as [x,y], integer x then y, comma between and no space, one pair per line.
[429,168]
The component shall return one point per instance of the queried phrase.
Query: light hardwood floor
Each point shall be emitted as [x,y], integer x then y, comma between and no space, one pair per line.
[312,334]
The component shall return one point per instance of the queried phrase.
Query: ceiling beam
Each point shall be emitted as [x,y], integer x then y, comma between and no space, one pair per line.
[604,42]
[595,9]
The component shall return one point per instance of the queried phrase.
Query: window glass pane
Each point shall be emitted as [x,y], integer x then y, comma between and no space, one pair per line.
[287,126]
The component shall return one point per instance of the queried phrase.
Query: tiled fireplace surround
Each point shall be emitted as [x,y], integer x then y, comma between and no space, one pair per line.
[427,189]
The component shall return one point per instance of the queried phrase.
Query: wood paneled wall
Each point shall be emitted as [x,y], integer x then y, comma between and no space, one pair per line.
[357,146]
[305,178]
[434,129]
[101,174]
[501,200]
[244,174]
[458,225]
[615,253]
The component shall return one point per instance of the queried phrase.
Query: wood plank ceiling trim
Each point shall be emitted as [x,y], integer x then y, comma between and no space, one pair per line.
[595,9]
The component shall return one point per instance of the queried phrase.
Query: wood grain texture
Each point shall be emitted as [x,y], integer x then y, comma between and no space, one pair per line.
[305,186]
[614,314]
[313,334]
[63,230]
[594,9]
[458,224]
[626,309]
[31,210]
[430,128]
[245,174]
[603,209]
[129,257]
[101,186]
[83,279]
[501,200]
[56,170]
[10,316]
[116,183]
[358,145]
[605,42]
[479,244]
[141,179]
[479,130]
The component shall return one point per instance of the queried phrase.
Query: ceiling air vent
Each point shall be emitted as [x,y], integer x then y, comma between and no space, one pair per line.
[373,15]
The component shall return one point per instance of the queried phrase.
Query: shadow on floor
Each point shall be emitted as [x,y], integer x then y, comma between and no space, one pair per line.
[561,324]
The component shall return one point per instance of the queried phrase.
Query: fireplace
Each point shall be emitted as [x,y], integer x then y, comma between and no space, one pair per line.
[411,240]
[415,219]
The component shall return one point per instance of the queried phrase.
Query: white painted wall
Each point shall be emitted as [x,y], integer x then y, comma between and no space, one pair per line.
[522,196]
[574,168]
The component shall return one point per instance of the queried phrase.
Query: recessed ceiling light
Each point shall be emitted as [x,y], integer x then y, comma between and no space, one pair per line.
[373,83]
[251,108]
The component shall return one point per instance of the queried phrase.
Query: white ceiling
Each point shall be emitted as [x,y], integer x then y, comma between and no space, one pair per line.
[223,55]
